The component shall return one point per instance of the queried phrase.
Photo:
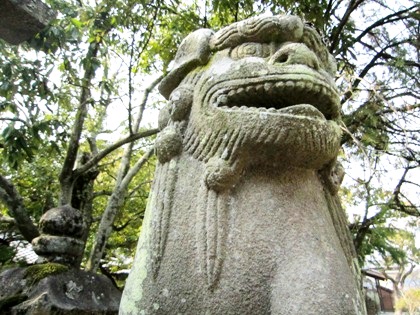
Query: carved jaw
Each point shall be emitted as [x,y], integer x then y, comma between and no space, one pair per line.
[289,114]
[277,95]
[293,91]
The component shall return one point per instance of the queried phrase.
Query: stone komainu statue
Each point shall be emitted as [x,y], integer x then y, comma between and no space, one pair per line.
[243,217]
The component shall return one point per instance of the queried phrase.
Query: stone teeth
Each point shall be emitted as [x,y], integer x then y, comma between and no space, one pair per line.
[326,95]
[290,84]
[300,85]
[222,99]
[273,93]
[250,89]
[260,88]
[280,85]
[231,93]
[268,86]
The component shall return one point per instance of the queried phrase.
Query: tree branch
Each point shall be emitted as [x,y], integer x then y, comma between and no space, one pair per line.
[372,63]
[334,39]
[102,154]
[412,209]
[66,178]
[14,202]
[385,20]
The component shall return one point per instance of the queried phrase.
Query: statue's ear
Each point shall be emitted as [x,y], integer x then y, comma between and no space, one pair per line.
[194,51]
[332,176]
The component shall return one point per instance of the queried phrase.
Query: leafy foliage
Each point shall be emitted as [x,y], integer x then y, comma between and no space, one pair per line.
[410,301]
[6,254]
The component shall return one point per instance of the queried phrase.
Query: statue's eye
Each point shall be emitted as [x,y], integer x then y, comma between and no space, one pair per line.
[250,50]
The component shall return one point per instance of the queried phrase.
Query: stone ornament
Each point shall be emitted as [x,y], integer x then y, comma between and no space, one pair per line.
[58,286]
[61,231]
[243,216]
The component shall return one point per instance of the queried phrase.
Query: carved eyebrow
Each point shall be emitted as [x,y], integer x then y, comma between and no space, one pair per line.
[258,29]
[245,49]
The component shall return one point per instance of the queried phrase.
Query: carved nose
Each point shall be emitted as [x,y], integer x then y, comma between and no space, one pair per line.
[295,53]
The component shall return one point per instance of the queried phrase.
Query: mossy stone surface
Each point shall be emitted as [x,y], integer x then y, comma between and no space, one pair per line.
[36,273]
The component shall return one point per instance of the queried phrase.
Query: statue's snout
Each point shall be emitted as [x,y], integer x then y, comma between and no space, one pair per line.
[295,53]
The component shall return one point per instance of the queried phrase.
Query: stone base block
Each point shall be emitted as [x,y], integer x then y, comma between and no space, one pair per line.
[69,292]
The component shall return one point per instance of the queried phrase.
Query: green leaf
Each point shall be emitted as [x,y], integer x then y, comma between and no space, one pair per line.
[77,23]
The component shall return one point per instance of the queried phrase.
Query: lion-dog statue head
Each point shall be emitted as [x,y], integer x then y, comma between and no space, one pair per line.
[260,91]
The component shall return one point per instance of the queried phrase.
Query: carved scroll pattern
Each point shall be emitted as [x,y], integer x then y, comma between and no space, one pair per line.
[165,184]
[212,230]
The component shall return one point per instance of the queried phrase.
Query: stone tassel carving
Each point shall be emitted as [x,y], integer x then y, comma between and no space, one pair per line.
[212,225]
[168,147]
[166,179]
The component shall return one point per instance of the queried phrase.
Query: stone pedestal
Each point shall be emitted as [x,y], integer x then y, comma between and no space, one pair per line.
[57,286]
[61,291]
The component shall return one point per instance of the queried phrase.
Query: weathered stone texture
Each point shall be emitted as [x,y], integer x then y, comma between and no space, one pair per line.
[70,292]
[22,19]
[61,231]
[243,217]
[56,287]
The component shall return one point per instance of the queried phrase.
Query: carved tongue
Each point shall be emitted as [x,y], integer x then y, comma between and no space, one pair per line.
[302,110]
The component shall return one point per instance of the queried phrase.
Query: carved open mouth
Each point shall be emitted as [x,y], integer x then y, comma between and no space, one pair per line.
[294,95]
